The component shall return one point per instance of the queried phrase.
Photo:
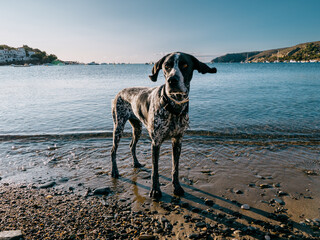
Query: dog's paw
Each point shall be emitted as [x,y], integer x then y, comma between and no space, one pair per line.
[115,173]
[138,165]
[178,191]
[155,193]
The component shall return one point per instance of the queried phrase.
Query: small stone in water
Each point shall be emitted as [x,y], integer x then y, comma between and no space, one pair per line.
[64,179]
[281,193]
[187,181]
[101,191]
[245,206]
[279,201]
[264,186]
[47,185]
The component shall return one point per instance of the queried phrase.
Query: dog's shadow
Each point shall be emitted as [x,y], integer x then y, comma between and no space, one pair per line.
[218,213]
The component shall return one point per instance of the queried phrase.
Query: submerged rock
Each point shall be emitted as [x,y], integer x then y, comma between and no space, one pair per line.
[279,201]
[102,191]
[48,185]
[64,179]
[187,181]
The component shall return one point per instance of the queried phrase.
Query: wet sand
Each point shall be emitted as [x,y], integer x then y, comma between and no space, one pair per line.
[278,181]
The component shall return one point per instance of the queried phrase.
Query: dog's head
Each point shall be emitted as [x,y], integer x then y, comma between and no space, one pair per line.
[178,69]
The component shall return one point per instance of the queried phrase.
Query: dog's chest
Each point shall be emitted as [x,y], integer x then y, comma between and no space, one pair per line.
[167,125]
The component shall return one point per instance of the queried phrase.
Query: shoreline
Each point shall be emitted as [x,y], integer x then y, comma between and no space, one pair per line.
[44,185]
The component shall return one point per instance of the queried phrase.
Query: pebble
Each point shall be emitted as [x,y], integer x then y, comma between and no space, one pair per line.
[201,224]
[260,177]
[263,185]
[147,237]
[145,175]
[208,202]
[279,201]
[47,185]
[11,235]
[281,193]
[64,179]
[267,237]
[238,192]
[193,236]
[163,220]
[102,191]
[245,206]
[187,181]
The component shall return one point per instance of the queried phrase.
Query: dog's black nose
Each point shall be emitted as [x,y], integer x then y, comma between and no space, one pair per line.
[173,80]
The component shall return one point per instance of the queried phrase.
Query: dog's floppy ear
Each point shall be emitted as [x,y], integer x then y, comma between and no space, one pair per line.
[202,67]
[156,68]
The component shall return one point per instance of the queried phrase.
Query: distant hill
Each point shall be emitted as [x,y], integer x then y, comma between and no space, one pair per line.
[301,52]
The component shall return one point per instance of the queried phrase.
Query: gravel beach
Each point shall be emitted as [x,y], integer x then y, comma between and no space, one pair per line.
[50,213]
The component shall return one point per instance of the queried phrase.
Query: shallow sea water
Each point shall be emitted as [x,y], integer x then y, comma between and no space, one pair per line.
[247,121]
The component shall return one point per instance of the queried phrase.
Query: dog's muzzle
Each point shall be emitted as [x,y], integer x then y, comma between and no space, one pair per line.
[179,97]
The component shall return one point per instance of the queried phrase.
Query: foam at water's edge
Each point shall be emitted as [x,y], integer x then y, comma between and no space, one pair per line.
[313,138]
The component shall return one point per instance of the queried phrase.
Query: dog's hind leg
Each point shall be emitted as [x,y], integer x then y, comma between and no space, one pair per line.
[117,132]
[136,133]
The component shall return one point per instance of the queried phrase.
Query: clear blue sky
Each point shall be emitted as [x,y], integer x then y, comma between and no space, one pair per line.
[143,30]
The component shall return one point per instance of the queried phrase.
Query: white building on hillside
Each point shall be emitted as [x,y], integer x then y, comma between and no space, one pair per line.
[20,54]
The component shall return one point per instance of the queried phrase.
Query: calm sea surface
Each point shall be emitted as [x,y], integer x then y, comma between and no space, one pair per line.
[257,99]
[55,122]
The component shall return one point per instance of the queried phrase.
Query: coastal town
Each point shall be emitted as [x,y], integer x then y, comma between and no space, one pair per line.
[13,55]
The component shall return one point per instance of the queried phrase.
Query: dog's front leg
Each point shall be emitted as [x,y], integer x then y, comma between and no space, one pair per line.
[155,190]
[176,150]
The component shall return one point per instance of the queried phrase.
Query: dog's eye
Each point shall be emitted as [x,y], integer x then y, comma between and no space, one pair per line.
[185,65]
[167,67]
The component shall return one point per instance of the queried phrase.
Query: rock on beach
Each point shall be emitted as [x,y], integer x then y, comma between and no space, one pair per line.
[47,185]
[11,235]
[102,191]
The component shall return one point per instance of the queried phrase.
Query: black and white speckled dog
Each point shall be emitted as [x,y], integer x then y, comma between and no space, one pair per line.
[163,110]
